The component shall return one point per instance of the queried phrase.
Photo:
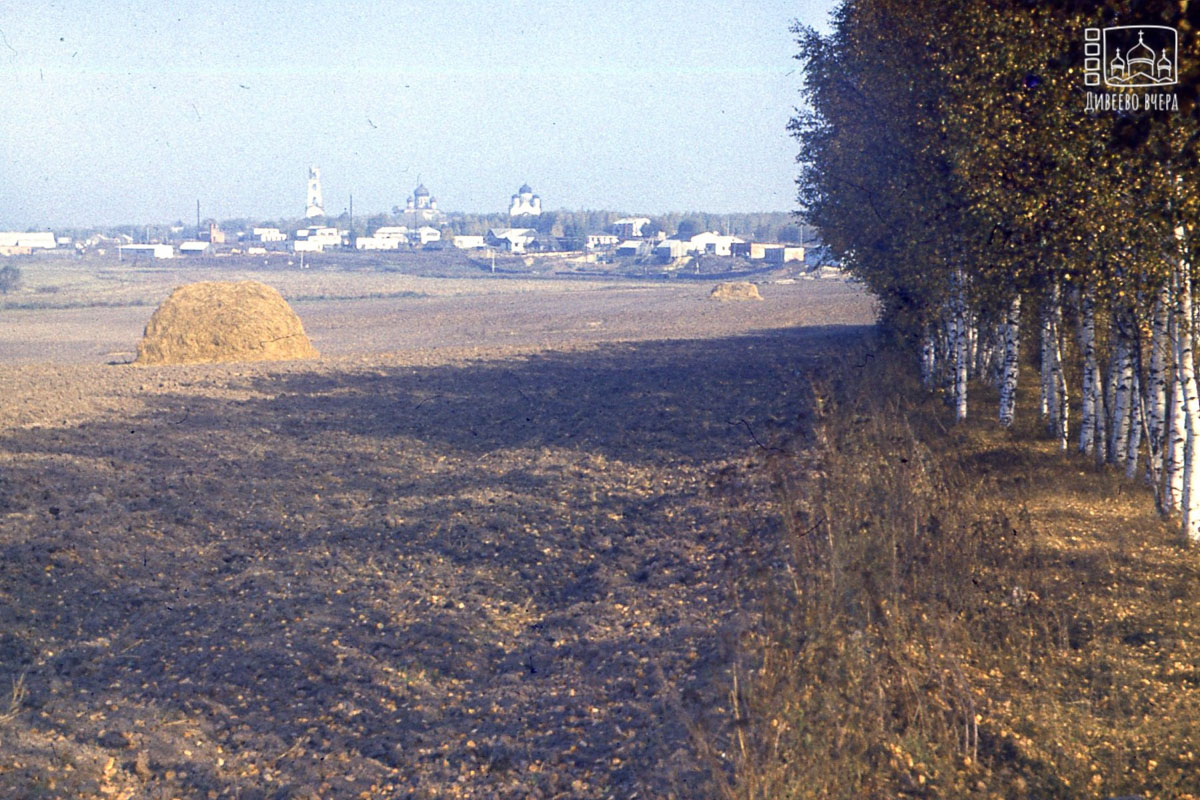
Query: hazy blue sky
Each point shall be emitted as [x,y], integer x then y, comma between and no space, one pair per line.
[129,110]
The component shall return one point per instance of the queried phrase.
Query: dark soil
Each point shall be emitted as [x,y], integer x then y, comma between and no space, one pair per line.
[391,576]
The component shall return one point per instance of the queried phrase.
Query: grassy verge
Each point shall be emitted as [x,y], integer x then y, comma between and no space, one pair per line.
[963,612]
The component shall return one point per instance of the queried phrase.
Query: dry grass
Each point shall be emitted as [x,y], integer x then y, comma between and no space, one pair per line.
[963,612]
[736,290]
[224,321]
[15,700]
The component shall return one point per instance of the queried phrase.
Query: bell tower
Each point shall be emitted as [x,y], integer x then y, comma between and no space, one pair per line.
[315,206]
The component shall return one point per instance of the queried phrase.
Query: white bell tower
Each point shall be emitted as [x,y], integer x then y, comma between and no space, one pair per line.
[315,207]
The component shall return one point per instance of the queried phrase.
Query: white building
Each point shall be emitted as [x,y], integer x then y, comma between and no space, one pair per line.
[193,248]
[711,243]
[599,241]
[714,243]
[387,237]
[782,254]
[510,240]
[269,234]
[525,202]
[469,242]
[630,227]
[397,232]
[321,236]
[134,251]
[40,240]
[670,249]
[378,243]
[424,235]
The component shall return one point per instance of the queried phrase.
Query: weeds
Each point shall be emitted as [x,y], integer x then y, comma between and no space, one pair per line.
[962,614]
[16,700]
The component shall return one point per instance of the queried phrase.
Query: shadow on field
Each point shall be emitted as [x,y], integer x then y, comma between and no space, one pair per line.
[503,577]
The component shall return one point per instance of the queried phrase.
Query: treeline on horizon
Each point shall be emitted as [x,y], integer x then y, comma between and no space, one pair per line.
[953,159]
[771,226]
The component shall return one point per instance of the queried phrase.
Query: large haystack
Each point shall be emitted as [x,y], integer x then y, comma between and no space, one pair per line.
[223,321]
[738,290]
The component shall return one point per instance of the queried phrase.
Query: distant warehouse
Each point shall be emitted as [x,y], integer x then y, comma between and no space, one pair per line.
[136,251]
[14,243]
[771,253]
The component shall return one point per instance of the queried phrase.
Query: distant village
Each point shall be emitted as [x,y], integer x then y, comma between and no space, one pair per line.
[525,229]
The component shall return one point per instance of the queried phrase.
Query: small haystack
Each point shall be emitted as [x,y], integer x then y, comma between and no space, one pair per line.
[223,321]
[736,290]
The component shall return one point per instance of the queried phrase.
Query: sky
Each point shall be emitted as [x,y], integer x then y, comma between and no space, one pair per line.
[129,111]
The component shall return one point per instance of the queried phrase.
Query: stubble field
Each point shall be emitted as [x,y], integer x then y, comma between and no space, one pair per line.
[479,549]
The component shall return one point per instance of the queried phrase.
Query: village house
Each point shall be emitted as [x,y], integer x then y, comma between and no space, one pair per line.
[388,237]
[510,240]
[601,241]
[630,227]
[714,243]
[469,242]
[709,243]
[424,235]
[269,235]
[634,247]
[315,238]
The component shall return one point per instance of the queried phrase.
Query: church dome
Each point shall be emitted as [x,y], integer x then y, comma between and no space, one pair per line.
[1140,52]
[525,189]
[421,191]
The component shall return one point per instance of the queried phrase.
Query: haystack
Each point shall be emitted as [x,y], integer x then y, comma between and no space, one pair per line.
[223,321]
[737,290]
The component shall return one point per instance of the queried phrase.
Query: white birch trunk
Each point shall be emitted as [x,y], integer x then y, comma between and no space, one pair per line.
[961,359]
[1087,343]
[1046,381]
[972,344]
[928,359]
[950,359]
[1100,402]
[1156,394]
[1010,363]
[983,352]
[1060,410]
[1134,445]
[1123,376]
[1056,392]
[1186,366]
[1176,439]
[1110,383]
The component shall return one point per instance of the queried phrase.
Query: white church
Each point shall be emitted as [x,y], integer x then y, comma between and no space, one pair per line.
[525,202]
